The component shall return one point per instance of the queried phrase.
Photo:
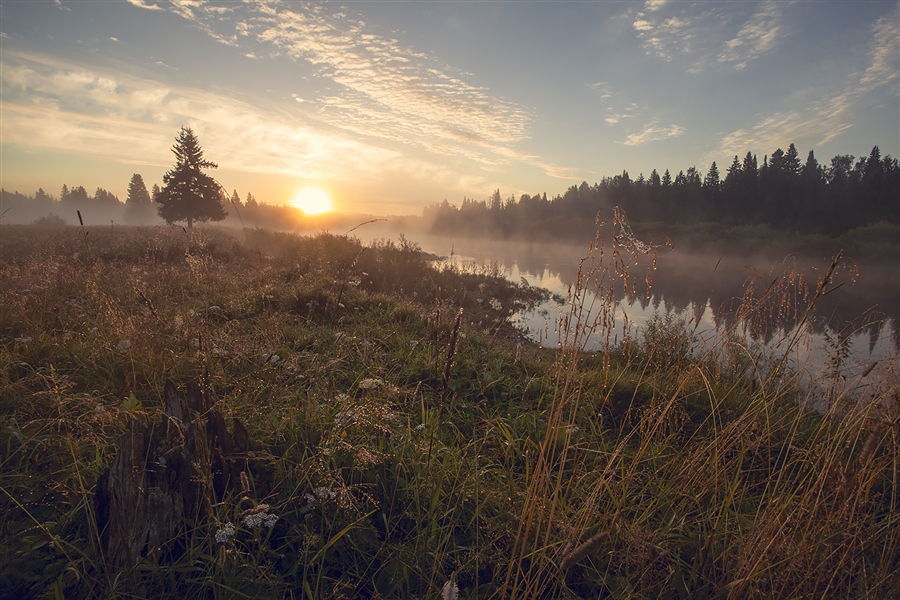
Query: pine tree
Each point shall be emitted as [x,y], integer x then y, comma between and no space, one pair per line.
[188,193]
[138,202]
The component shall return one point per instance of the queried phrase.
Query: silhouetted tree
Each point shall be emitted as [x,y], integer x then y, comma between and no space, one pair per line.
[138,203]
[782,192]
[188,193]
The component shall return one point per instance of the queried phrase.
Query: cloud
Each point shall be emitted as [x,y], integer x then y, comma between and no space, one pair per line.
[629,112]
[652,133]
[384,90]
[825,120]
[145,4]
[694,32]
[603,88]
[756,37]
[885,49]
[53,104]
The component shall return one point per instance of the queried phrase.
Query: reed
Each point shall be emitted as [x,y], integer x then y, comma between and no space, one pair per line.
[671,464]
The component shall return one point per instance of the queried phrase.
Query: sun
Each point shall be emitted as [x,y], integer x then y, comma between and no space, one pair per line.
[312,200]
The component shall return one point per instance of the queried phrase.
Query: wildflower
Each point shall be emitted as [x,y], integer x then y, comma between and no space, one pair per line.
[450,590]
[420,427]
[23,340]
[124,346]
[368,384]
[495,304]
[345,417]
[223,534]
[259,517]
[273,358]
[324,493]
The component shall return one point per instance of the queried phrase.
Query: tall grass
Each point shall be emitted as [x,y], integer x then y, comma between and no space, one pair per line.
[400,447]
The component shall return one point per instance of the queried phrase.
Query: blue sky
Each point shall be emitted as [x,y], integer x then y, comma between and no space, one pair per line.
[391,105]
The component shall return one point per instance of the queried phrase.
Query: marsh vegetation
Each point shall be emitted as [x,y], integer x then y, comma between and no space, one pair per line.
[395,447]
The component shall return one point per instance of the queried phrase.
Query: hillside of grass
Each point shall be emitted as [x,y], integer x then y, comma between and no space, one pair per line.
[392,436]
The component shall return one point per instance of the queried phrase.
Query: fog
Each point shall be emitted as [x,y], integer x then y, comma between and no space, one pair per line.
[861,310]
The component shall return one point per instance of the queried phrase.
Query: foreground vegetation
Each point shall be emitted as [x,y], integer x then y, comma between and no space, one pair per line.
[401,449]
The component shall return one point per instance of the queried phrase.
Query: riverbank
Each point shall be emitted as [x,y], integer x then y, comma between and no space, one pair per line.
[874,243]
[391,446]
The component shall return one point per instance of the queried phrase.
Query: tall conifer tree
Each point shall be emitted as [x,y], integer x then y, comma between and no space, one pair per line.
[188,193]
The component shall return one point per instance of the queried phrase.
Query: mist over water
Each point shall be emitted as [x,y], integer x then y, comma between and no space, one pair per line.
[861,314]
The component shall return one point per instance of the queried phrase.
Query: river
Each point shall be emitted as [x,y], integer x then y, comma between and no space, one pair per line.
[854,325]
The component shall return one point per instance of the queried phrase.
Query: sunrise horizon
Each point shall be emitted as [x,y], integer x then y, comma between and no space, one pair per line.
[391,108]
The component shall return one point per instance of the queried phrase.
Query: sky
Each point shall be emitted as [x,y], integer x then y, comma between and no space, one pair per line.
[393,105]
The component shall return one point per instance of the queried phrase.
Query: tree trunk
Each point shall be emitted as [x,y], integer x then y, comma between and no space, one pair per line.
[159,487]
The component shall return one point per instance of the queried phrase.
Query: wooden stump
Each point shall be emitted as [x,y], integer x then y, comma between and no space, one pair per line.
[160,484]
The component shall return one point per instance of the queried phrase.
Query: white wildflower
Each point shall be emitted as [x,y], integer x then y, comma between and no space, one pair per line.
[123,346]
[345,417]
[223,534]
[274,358]
[324,493]
[451,590]
[495,304]
[368,384]
[23,340]
[259,517]
[420,427]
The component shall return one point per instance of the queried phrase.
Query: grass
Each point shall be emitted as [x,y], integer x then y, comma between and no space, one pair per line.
[396,446]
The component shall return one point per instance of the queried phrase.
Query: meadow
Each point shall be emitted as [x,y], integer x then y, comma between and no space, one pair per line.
[384,432]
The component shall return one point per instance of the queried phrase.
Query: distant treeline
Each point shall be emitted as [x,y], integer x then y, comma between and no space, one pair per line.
[782,192]
[139,208]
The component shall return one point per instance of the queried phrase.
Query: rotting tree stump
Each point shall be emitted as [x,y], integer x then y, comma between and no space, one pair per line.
[160,486]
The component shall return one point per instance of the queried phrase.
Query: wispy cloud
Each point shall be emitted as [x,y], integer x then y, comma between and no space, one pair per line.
[385,90]
[50,103]
[885,49]
[652,132]
[614,116]
[144,4]
[756,37]
[825,120]
[603,88]
[696,32]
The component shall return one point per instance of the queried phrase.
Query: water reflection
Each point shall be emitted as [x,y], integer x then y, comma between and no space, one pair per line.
[861,312]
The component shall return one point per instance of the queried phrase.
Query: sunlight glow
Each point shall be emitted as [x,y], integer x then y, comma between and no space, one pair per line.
[312,200]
